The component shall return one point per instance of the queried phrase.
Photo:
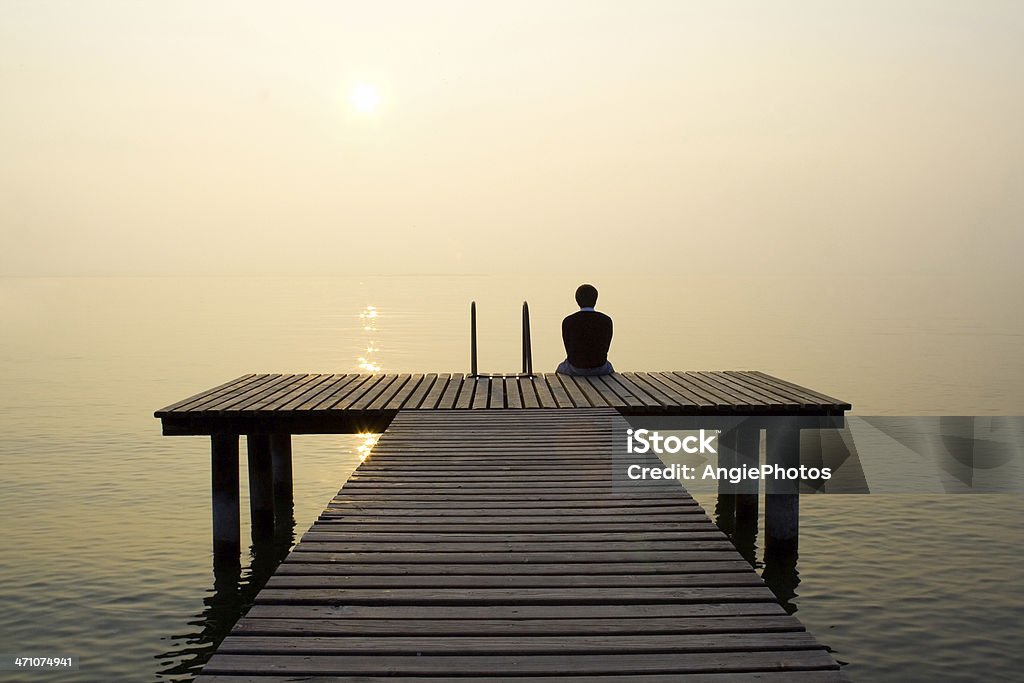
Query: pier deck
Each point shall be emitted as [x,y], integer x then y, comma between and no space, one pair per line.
[491,545]
[326,403]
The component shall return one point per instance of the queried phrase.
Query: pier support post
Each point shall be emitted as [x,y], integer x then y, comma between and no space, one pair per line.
[261,488]
[748,454]
[224,485]
[725,506]
[782,499]
[281,465]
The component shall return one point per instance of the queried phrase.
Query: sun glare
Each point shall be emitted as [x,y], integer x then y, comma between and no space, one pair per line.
[365,98]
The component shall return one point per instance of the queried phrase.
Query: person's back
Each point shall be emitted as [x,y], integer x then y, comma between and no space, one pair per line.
[587,335]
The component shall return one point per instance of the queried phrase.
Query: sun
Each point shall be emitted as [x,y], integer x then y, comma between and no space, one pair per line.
[365,98]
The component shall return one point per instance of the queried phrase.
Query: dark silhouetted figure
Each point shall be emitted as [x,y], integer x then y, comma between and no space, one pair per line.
[587,335]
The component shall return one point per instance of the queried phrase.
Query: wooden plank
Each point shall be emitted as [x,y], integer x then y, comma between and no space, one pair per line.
[606,393]
[517,596]
[593,396]
[549,665]
[556,389]
[481,389]
[512,645]
[578,398]
[511,390]
[525,557]
[233,397]
[783,394]
[684,380]
[386,396]
[315,545]
[824,398]
[310,401]
[624,396]
[386,385]
[459,396]
[364,389]
[790,676]
[444,380]
[262,401]
[400,397]
[407,582]
[657,396]
[278,626]
[342,392]
[230,385]
[646,399]
[513,613]
[497,396]
[308,388]
[528,387]
[679,399]
[416,397]
[740,394]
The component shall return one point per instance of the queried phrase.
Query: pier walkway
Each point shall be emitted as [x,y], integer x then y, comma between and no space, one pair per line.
[479,545]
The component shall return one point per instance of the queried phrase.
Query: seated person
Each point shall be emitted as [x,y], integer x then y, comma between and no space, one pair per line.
[587,335]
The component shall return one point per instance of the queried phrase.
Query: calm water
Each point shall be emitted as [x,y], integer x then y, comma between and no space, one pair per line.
[106,530]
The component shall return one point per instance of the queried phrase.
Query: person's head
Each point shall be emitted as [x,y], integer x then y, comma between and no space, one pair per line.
[586,296]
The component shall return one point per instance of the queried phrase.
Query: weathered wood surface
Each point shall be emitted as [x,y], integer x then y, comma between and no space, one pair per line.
[445,557]
[297,403]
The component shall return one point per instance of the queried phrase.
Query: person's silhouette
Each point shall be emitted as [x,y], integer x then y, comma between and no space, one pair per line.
[587,335]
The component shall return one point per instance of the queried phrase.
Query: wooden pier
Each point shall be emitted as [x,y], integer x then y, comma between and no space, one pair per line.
[484,539]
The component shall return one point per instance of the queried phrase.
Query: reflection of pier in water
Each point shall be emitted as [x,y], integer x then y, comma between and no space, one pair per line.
[232,593]
[818,444]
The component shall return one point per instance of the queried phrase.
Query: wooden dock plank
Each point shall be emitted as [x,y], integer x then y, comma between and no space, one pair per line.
[791,676]
[341,391]
[502,644]
[512,395]
[225,400]
[481,389]
[578,398]
[282,626]
[548,665]
[441,386]
[824,398]
[387,394]
[562,399]
[464,399]
[309,401]
[685,381]
[396,400]
[416,397]
[227,387]
[528,388]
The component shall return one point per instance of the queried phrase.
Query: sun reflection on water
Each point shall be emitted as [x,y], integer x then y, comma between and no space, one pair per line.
[369,441]
[369,363]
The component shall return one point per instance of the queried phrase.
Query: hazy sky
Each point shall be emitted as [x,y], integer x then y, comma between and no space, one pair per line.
[146,137]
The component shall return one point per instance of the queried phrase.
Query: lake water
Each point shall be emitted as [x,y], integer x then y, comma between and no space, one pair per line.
[106,523]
